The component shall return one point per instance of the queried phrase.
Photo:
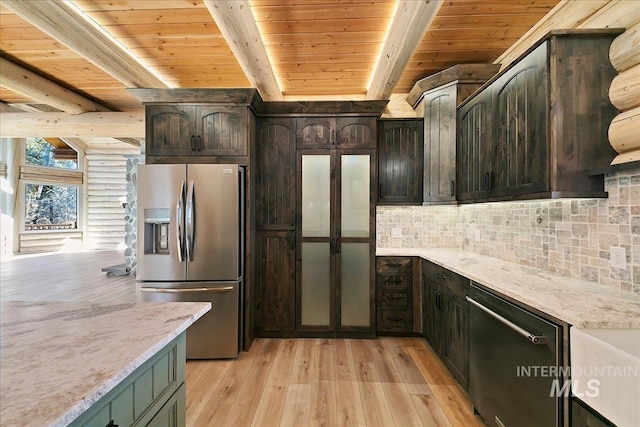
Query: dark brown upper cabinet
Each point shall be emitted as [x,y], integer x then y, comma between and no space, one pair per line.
[539,128]
[439,95]
[169,129]
[400,144]
[336,132]
[198,125]
[183,130]
[475,147]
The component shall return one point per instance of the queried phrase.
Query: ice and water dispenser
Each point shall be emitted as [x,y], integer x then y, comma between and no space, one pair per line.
[156,230]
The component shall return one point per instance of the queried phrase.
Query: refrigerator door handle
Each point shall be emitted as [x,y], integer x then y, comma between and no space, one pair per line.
[190,219]
[185,290]
[180,222]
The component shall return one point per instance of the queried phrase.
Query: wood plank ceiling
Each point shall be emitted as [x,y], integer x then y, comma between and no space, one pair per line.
[318,48]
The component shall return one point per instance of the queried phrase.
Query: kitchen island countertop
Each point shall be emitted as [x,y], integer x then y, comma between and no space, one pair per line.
[59,358]
[577,302]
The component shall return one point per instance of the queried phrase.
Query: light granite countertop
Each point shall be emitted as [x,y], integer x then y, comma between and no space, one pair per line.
[577,302]
[59,358]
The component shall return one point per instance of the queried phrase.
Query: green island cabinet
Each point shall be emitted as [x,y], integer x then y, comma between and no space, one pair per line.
[152,395]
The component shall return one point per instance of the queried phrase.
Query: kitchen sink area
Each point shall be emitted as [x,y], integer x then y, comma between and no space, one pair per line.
[605,364]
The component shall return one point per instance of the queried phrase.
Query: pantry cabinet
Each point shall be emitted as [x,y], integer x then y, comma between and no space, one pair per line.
[275,239]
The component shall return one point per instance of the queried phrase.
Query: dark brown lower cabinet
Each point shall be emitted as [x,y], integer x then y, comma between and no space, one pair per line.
[275,282]
[584,416]
[394,295]
[445,322]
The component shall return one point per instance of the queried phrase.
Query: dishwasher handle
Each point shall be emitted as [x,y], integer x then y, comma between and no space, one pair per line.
[535,339]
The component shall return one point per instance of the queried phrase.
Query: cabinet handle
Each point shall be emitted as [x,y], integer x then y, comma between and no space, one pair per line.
[193,143]
[486,181]
[395,319]
[440,276]
[333,137]
[395,298]
[453,188]
[492,179]
[199,143]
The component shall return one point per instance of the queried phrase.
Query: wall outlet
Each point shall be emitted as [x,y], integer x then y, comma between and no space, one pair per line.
[617,257]
[477,235]
[396,233]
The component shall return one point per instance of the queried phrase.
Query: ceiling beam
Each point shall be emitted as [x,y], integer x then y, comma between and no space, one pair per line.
[410,23]
[8,108]
[86,125]
[51,94]
[238,26]
[70,26]
[20,80]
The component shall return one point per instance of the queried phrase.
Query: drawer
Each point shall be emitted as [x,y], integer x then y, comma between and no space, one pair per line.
[394,273]
[393,298]
[456,284]
[394,319]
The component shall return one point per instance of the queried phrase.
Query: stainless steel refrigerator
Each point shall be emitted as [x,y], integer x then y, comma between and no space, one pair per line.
[191,248]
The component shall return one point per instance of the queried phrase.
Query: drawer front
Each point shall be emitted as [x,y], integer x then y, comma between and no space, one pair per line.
[456,284]
[394,320]
[394,273]
[393,298]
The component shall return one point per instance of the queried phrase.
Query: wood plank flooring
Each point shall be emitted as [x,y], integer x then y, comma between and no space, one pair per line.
[279,382]
[328,382]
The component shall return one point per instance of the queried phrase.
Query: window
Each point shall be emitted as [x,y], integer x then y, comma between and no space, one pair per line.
[50,207]
[41,152]
[51,185]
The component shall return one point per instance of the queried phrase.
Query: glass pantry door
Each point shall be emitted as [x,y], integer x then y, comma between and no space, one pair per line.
[315,294]
[354,240]
[336,241]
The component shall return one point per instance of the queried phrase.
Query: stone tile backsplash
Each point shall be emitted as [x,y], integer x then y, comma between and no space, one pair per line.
[568,237]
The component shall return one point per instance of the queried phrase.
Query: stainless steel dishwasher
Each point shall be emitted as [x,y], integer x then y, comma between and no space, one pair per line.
[514,364]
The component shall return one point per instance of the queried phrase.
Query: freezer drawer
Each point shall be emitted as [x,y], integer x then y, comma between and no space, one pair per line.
[215,335]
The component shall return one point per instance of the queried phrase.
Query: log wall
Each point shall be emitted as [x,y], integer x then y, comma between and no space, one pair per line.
[105,185]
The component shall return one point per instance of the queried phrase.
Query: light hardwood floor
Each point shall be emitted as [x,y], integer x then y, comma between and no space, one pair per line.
[328,382]
[279,382]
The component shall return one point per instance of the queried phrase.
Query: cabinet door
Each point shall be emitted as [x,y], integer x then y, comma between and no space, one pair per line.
[315,132]
[475,148]
[428,307]
[222,131]
[522,124]
[400,158]
[275,175]
[440,145]
[335,292]
[456,339]
[170,130]
[275,281]
[356,132]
